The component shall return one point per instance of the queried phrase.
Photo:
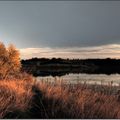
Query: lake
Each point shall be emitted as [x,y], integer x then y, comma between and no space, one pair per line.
[99,79]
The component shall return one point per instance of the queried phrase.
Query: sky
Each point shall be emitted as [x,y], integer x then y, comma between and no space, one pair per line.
[66,29]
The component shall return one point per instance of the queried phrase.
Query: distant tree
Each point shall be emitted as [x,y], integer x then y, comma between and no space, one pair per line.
[9,61]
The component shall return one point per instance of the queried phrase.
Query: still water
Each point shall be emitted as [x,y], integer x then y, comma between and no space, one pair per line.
[101,79]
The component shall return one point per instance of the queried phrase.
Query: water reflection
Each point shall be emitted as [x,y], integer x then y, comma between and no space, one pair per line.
[99,79]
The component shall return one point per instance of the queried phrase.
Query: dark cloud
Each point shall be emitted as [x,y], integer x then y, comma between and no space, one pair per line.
[60,24]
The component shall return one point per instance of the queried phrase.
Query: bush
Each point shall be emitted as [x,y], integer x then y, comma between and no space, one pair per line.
[9,61]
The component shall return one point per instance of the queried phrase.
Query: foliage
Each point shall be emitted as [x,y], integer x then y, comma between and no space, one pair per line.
[9,60]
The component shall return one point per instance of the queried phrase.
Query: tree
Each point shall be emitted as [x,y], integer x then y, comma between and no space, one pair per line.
[3,59]
[9,61]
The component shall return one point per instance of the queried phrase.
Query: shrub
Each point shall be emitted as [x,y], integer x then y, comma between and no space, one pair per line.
[9,60]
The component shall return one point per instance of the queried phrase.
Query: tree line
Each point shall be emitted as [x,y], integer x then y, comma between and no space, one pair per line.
[98,62]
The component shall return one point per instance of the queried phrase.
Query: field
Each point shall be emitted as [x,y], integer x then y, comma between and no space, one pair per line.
[27,98]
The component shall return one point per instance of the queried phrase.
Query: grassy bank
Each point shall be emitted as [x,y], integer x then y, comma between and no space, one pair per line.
[25,98]
[78,102]
[15,97]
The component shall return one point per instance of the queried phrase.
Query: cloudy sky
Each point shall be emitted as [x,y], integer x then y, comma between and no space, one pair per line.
[67,29]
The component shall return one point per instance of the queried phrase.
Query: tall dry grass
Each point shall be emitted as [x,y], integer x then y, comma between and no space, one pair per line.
[23,97]
[78,102]
[15,97]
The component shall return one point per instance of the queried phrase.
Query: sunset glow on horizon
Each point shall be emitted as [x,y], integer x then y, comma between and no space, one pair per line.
[105,51]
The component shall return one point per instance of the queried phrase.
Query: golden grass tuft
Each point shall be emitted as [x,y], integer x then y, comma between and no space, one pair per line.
[78,102]
[15,96]
[26,98]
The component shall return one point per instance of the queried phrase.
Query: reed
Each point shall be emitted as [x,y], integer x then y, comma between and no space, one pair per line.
[15,98]
[65,101]
[28,98]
